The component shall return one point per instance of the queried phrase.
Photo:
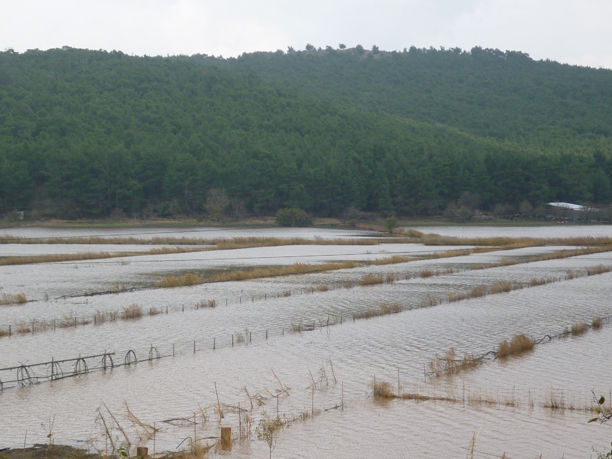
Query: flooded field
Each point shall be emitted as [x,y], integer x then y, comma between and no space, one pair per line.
[307,347]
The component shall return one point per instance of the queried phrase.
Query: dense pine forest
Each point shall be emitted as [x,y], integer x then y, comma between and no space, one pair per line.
[93,133]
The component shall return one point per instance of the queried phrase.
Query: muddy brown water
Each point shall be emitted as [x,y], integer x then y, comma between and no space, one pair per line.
[174,389]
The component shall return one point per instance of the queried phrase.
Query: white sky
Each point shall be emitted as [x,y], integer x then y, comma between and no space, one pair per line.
[570,31]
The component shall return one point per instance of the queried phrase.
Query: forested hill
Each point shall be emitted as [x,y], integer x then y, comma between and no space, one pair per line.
[90,133]
[505,95]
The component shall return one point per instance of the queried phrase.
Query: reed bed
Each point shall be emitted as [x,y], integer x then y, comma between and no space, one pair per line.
[395,259]
[600,269]
[518,345]
[382,309]
[180,280]
[401,237]
[12,298]
[62,257]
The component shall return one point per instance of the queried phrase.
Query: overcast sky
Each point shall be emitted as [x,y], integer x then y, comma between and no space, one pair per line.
[570,31]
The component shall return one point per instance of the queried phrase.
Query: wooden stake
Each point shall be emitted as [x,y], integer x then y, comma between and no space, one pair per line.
[312,401]
[218,403]
[398,382]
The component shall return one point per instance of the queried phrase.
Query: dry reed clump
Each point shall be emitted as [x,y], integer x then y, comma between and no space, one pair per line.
[12,298]
[382,389]
[596,324]
[501,287]
[430,300]
[570,274]
[579,328]
[565,333]
[371,279]
[68,320]
[508,261]
[476,292]
[154,311]
[519,344]
[554,401]
[383,309]
[390,308]
[99,318]
[131,312]
[449,364]
[4,332]
[536,281]
[23,327]
[425,273]
[206,304]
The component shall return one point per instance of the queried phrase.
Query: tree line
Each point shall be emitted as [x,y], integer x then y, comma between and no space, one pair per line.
[92,133]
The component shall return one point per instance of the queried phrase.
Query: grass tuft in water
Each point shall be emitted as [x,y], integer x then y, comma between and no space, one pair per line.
[131,312]
[519,344]
[579,328]
[12,298]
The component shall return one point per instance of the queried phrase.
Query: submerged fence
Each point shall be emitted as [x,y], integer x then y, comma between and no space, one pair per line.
[25,375]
